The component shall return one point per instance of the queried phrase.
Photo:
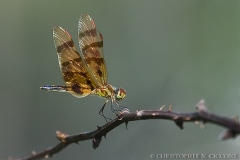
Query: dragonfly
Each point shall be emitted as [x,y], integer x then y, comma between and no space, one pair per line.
[85,73]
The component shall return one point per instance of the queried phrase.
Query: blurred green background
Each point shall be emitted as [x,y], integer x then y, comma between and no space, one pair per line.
[160,51]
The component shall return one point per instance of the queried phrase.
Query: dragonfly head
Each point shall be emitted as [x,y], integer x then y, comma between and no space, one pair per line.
[120,94]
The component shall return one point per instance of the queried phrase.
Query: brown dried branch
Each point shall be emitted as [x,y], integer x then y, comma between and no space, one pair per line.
[202,114]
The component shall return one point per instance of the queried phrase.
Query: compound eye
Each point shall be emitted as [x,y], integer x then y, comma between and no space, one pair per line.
[121,94]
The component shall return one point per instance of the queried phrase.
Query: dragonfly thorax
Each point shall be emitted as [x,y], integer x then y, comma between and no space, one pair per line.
[110,91]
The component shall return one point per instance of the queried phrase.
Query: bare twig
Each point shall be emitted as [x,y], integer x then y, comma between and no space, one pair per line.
[202,114]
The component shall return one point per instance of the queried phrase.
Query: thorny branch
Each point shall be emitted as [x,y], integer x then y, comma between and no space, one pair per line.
[202,115]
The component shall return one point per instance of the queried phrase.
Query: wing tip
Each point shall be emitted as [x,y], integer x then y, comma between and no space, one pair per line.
[59,30]
[84,15]
[55,28]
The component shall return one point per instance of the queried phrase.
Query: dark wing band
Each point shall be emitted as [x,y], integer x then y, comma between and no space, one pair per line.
[91,45]
[73,70]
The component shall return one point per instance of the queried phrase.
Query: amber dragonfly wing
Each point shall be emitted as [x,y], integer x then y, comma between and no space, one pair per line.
[79,82]
[91,46]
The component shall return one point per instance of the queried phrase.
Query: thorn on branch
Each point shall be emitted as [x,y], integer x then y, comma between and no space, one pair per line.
[227,134]
[170,108]
[47,156]
[179,124]
[96,142]
[202,125]
[34,152]
[161,108]
[236,119]
[201,106]
[105,135]
[61,136]
[126,124]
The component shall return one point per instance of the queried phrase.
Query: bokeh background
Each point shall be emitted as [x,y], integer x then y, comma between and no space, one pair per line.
[160,51]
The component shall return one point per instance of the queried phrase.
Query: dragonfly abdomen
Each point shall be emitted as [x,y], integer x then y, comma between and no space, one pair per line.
[54,88]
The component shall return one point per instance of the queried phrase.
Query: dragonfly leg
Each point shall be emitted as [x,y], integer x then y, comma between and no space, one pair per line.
[122,108]
[101,112]
[113,109]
